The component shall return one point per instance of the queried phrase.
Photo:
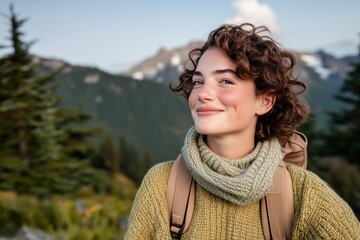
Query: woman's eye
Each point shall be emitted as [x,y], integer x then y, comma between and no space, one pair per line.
[196,82]
[226,81]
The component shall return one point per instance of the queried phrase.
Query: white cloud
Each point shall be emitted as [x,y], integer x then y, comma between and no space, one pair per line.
[256,13]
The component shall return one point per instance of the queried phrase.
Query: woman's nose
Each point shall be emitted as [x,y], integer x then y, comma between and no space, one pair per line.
[206,93]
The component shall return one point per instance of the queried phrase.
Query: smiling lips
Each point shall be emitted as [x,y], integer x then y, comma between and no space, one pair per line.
[205,111]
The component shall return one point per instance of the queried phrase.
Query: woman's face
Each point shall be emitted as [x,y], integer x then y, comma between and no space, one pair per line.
[220,102]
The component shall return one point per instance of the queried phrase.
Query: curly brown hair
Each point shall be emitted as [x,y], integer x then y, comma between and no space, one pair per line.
[257,57]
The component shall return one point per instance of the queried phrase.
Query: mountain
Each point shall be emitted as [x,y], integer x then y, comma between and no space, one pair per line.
[323,73]
[148,115]
[164,66]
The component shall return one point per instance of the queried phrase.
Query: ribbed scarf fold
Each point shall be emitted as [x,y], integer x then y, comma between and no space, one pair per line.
[240,181]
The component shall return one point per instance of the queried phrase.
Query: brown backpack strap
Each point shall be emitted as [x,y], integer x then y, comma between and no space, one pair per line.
[294,149]
[180,198]
[277,208]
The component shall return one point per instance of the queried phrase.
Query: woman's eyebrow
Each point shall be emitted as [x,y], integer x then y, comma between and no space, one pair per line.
[227,70]
[197,73]
[219,71]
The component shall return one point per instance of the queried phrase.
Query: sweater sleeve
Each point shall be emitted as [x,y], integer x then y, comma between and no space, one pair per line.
[149,217]
[319,212]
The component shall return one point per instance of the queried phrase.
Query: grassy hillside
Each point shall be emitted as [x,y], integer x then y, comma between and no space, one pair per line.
[148,115]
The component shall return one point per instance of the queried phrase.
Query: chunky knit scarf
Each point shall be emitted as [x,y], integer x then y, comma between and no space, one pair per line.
[240,181]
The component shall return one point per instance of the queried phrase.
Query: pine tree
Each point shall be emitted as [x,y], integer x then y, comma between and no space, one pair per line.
[344,134]
[148,160]
[313,135]
[13,96]
[79,150]
[43,149]
[130,165]
[108,159]
[27,122]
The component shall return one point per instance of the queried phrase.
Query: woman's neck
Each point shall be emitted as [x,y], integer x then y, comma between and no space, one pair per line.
[230,147]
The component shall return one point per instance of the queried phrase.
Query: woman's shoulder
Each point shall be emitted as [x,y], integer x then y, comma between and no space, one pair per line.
[301,176]
[306,181]
[319,210]
[154,184]
[309,187]
[149,207]
[158,174]
[162,169]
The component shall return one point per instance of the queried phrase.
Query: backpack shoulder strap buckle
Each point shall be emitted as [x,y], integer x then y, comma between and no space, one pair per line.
[176,230]
[180,198]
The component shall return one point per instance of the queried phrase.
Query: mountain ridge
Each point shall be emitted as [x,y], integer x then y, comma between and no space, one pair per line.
[152,66]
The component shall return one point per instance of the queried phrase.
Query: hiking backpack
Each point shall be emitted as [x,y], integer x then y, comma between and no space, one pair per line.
[276,208]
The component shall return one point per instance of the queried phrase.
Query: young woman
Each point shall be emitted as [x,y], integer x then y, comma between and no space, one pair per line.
[244,102]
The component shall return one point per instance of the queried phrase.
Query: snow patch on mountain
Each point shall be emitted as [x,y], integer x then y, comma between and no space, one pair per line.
[92,78]
[315,62]
[160,65]
[149,72]
[164,65]
[67,69]
[175,60]
[138,76]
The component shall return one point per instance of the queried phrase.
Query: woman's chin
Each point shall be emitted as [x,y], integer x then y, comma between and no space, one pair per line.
[207,130]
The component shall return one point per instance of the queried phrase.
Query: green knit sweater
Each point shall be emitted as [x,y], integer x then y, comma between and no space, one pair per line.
[319,212]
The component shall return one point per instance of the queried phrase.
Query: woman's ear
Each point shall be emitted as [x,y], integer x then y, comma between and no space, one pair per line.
[266,103]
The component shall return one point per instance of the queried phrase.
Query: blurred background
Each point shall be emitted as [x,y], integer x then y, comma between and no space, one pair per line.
[85,107]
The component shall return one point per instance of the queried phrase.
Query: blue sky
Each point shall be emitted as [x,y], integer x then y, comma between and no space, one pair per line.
[116,34]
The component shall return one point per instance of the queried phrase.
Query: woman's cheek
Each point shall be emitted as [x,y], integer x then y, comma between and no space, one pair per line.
[192,99]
